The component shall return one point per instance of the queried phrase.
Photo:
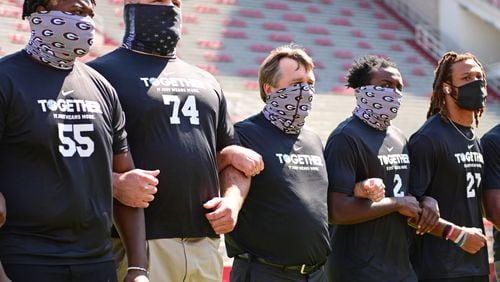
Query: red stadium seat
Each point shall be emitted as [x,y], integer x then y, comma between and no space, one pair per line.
[413,60]
[397,47]
[23,26]
[217,57]
[346,66]
[251,13]
[17,38]
[226,2]
[234,23]
[189,18]
[326,2]
[389,25]
[364,45]
[274,26]
[280,38]
[418,71]
[209,44]
[276,6]
[364,5]
[234,34]
[294,17]
[317,30]
[357,33]
[386,36]
[260,59]
[248,72]
[343,54]
[346,12]
[340,21]
[10,12]
[319,65]
[203,9]
[323,42]
[379,15]
[263,48]
[251,85]
[313,9]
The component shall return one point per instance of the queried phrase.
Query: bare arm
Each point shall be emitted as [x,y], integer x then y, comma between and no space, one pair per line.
[3,217]
[491,200]
[130,224]
[224,210]
[135,187]
[245,160]
[344,209]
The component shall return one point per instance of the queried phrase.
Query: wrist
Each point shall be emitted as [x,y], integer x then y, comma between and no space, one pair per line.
[142,270]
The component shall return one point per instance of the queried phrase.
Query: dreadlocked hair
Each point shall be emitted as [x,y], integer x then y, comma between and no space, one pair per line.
[359,73]
[442,74]
[29,6]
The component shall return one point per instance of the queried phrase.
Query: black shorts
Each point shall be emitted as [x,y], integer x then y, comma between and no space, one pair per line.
[95,272]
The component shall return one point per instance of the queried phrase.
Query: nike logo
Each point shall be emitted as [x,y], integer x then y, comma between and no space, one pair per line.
[66,93]
[470,146]
[296,147]
[389,149]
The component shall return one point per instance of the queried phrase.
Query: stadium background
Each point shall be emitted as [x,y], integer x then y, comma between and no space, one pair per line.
[230,38]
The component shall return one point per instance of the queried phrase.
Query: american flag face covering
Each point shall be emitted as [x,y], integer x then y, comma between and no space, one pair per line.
[376,105]
[288,107]
[58,38]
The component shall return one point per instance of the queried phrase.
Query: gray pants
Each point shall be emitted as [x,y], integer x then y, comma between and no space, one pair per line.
[245,271]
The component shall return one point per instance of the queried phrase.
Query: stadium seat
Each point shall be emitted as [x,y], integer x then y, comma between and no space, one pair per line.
[234,23]
[251,13]
[317,30]
[357,33]
[386,36]
[313,9]
[379,15]
[23,26]
[203,9]
[346,12]
[389,25]
[280,37]
[364,5]
[323,42]
[326,2]
[343,54]
[418,71]
[396,47]
[364,45]
[259,59]
[17,38]
[340,21]
[217,57]
[261,48]
[274,26]
[413,60]
[276,6]
[319,65]
[248,72]
[189,18]
[294,17]
[250,85]
[209,44]
[346,66]
[234,34]
[226,2]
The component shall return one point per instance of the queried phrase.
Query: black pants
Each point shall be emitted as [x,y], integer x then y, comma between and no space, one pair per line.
[245,271]
[92,272]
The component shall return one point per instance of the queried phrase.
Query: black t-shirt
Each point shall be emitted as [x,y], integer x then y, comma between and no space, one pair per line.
[376,250]
[59,130]
[284,217]
[449,168]
[491,153]
[177,122]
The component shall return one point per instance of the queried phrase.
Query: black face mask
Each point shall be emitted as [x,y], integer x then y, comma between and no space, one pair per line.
[471,96]
[152,29]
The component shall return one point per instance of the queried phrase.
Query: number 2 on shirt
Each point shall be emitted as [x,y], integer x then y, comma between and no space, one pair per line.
[471,179]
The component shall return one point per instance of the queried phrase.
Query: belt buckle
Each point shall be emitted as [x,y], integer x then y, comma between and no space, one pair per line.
[302,269]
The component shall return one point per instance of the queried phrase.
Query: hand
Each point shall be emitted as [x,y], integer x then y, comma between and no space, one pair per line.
[474,241]
[3,275]
[3,211]
[429,218]
[224,214]
[135,276]
[135,188]
[245,160]
[371,188]
[408,206]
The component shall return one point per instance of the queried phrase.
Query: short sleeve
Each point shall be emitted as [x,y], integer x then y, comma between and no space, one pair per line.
[422,164]
[491,155]
[340,158]
[120,144]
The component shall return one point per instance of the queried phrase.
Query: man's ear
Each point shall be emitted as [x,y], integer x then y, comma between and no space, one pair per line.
[268,89]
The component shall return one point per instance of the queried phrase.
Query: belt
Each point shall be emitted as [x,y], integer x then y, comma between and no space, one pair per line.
[303,269]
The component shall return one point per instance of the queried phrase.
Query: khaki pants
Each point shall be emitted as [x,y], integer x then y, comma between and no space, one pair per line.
[177,259]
